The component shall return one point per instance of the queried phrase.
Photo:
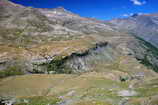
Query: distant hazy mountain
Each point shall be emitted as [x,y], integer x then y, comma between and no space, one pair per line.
[144,26]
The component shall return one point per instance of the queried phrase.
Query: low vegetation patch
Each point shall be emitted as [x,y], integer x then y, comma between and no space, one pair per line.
[11,71]
[93,103]
[38,100]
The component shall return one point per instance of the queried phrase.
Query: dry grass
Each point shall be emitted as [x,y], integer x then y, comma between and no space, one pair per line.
[30,85]
[93,103]
[88,89]
[60,48]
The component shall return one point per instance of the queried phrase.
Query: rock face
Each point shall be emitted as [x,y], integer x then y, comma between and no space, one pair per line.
[127,93]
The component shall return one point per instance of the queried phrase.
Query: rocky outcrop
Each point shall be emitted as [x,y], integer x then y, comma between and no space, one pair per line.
[79,62]
[87,61]
[76,62]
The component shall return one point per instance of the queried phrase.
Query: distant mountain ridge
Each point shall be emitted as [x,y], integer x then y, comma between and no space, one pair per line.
[144,26]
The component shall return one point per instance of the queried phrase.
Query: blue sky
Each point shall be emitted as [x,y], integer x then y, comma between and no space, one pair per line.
[100,9]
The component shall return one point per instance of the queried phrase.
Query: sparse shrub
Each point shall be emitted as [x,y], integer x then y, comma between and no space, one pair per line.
[11,71]
[39,100]
[124,79]
[57,66]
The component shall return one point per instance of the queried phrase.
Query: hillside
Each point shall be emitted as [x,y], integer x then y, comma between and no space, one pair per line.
[142,25]
[56,57]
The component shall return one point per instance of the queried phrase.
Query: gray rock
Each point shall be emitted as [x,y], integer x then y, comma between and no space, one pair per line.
[127,93]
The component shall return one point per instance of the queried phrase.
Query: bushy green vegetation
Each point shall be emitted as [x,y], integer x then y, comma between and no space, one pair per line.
[55,66]
[124,79]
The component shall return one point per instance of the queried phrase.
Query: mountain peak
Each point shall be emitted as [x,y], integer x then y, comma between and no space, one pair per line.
[4,2]
[7,3]
[60,9]
[135,15]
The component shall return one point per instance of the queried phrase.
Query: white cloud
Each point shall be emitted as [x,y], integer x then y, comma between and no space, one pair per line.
[138,2]
[131,14]
[125,15]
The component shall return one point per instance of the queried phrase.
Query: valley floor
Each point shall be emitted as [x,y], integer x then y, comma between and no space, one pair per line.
[85,89]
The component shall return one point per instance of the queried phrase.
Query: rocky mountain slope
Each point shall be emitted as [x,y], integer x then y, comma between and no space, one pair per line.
[142,25]
[78,61]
